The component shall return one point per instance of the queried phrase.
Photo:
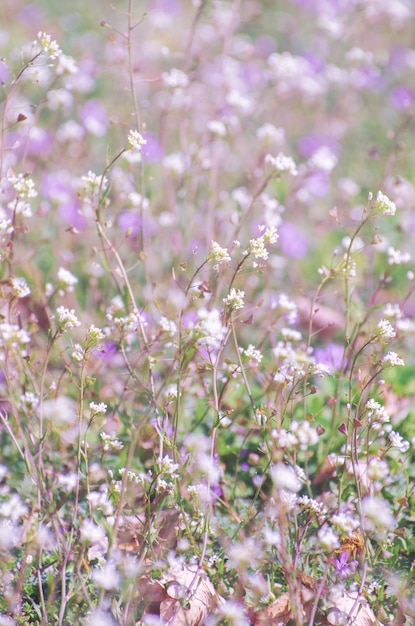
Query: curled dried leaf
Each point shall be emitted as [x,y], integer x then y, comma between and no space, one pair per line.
[191,597]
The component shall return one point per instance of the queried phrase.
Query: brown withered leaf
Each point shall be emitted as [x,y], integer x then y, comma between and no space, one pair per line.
[279,611]
[350,607]
[191,597]
[152,593]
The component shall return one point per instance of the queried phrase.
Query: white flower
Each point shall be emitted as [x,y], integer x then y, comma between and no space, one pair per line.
[235,299]
[386,329]
[210,326]
[396,257]
[253,354]
[393,359]
[218,254]
[48,46]
[377,469]
[99,500]
[384,204]
[257,248]
[328,538]
[66,279]
[377,515]
[98,409]
[398,442]
[107,577]
[305,434]
[20,287]
[175,163]
[323,159]
[13,508]
[67,318]
[175,78]
[268,132]
[168,326]
[217,128]
[282,163]
[136,140]
[284,478]
[345,523]
[110,442]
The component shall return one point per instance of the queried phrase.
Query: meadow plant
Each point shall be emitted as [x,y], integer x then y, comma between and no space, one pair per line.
[207,313]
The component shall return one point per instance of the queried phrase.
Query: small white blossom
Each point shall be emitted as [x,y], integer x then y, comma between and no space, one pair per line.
[385,204]
[268,132]
[13,337]
[107,576]
[20,288]
[99,501]
[285,478]
[386,329]
[66,280]
[398,442]
[282,163]
[67,318]
[253,354]
[218,254]
[377,469]
[217,128]
[396,257]
[377,515]
[136,140]
[235,299]
[328,538]
[94,181]
[110,442]
[393,359]
[48,46]
[175,163]
[346,523]
[167,326]
[175,79]
[98,409]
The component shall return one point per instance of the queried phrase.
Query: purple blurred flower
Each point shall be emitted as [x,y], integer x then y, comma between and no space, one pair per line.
[330,355]
[317,184]
[264,46]
[93,116]
[343,566]
[152,150]
[40,142]
[168,6]
[402,98]
[366,77]
[130,222]
[4,72]
[293,242]
[308,145]
[57,188]
[105,351]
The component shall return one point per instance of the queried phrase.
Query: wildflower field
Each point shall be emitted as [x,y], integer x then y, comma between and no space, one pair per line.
[207,363]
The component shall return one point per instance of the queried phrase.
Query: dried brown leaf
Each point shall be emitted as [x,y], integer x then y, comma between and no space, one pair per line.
[192,597]
[352,607]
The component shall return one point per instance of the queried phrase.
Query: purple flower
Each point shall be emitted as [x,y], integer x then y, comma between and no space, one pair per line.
[331,355]
[402,98]
[152,150]
[130,223]
[93,116]
[57,188]
[317,184]
[293,242]
[309,144]
[343,566]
